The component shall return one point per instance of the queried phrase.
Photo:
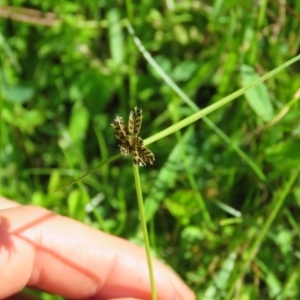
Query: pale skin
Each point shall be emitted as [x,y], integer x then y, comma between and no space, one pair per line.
[45,251]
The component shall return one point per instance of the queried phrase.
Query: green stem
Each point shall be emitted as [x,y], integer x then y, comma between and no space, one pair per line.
[144,227]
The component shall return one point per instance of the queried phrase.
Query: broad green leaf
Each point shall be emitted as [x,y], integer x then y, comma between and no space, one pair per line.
[54,181]
[76,204]
[19,93]
[257,97]
[184,71]
[181,205]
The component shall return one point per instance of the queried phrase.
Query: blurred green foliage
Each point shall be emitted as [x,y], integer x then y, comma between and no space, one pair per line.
[69,67]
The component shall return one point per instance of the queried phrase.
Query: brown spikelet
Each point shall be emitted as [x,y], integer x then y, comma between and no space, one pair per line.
[145,155]
[136,158]
[120,129]
[131,142]
[135,121]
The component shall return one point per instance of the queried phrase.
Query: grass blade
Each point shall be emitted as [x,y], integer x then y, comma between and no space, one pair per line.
[107,161]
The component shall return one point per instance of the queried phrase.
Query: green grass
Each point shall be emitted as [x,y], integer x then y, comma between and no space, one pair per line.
[223,196]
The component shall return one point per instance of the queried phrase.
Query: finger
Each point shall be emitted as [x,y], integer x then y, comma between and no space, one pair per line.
[6,203]
[62,256]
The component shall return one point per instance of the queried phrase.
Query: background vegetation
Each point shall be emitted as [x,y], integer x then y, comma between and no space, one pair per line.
[69,67]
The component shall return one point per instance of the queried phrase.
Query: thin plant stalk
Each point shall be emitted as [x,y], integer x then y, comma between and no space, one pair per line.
[144,228]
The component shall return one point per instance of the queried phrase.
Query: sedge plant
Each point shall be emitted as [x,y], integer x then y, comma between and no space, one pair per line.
[132,144]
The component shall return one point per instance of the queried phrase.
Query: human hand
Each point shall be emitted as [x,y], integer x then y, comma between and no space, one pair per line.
[46,251]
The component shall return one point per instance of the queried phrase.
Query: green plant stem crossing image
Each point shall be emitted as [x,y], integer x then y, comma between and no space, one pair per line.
[167,134]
